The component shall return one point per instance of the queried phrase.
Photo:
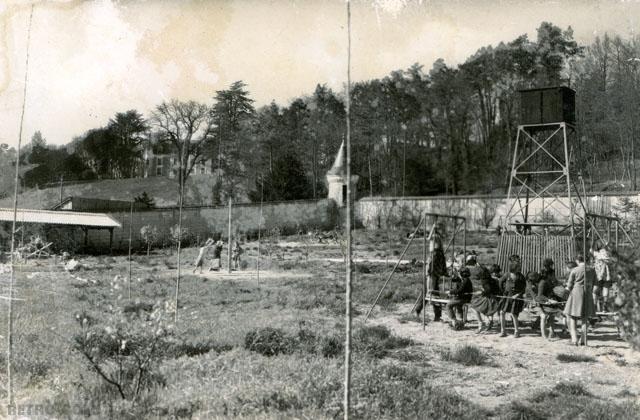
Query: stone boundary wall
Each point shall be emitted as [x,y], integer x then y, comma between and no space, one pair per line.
[480,211]
[202,222]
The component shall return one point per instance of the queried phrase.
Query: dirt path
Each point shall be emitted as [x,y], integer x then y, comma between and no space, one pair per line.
[249,275]
[521,366]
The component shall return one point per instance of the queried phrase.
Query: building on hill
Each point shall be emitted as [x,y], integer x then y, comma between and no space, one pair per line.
[161,160]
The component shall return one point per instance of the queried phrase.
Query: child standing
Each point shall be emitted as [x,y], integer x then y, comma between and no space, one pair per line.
[235,254]
[513,286]
[217,255]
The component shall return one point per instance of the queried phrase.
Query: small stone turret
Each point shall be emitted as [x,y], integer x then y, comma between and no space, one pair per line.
[337,179]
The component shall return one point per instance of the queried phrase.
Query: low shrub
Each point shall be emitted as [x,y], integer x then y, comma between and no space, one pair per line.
[137,307]
[192,349]
[628,299]
[269,342]
[331,346]
[625,393]
[125,349]
[467,355]
[33,367]
[568,400]
[574,358]
[376,341]
[562,389]
[571,389]
[280,401]
[306,341]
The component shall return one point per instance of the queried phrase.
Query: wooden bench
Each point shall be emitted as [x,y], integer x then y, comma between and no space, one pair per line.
[444,302]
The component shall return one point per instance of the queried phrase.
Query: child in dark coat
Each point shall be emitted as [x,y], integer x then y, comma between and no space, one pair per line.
[460,293]
[235,255]
[513,286]
[485,303]
[217,256]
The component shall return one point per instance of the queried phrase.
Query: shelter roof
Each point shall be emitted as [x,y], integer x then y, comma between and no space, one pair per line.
[69,218]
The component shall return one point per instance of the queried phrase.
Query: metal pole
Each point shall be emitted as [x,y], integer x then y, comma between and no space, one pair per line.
[13,227]
[229,244]
[567,173]
[513,170]
[394,269]
[130,230]
[347,347]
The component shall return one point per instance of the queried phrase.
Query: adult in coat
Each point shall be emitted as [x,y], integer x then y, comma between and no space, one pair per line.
[580,302]
[436,270]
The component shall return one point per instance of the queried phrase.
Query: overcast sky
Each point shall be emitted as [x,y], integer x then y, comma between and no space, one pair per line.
[91,59]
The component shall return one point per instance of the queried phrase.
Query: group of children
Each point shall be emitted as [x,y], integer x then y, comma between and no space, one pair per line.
[488,292]
[217,246]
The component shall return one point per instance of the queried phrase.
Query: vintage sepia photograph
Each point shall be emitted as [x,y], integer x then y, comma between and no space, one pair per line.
[320,209]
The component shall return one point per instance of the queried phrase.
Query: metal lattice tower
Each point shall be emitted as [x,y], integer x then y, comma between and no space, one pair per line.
[543,176]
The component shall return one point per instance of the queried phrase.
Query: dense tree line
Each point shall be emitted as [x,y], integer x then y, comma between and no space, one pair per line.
[445,130]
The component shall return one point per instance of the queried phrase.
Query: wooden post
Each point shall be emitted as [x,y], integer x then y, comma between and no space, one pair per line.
[130,231]
[229,244]
[464,238]
[10,314]
[585,320]
[110,241]
[180,204]
[453,241]
[260,228]
[347,340]
[425,273]
[347,315]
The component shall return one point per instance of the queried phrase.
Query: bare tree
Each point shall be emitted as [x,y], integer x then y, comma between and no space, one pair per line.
[188,127]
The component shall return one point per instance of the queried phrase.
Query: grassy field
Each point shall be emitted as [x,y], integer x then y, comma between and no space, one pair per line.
[271,347]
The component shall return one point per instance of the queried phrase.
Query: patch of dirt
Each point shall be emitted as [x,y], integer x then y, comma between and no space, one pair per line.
[521,366]
[248,275]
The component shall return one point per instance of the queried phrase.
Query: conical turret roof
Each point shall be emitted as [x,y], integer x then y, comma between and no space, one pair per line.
[339,165]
